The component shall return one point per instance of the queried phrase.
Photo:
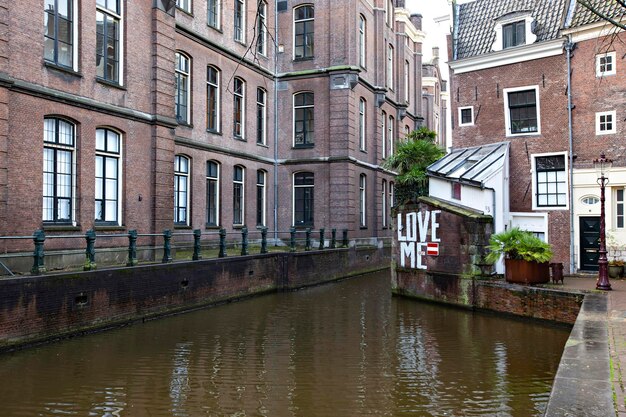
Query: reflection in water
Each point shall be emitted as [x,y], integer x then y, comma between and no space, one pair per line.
[347,349]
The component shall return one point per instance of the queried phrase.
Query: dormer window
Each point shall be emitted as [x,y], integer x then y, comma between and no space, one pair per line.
[514,34]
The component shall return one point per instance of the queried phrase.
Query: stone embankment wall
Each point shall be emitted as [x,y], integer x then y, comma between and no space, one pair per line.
[38,308]
[457,274]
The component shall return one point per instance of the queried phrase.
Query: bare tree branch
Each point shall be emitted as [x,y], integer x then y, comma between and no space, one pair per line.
[604,16]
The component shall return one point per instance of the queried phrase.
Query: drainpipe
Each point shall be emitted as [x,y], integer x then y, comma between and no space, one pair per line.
[275,185]
[569,47]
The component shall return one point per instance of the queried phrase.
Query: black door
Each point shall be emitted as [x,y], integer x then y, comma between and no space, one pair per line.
[589,243]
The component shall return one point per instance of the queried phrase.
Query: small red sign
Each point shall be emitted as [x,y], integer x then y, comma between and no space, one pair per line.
[432,249]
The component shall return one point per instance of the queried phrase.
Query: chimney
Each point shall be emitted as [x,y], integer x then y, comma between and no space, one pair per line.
[416,19]
[435,55]
[400,3]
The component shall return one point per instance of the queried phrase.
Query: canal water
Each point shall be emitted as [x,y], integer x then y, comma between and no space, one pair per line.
[345,349]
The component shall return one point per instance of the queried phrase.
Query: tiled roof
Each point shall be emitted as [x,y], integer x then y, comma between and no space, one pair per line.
[610,8]
[476,22]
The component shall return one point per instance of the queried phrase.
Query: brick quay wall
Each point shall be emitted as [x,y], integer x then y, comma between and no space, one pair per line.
[39,308]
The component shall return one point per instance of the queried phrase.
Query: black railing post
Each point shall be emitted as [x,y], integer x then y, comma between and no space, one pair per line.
[197,234]
[333,238]
[132,248]
[292,239]
[322,238]
[38,256]
[167,246]
[222,253]
[344,244]
[264,240]
[244,241]
[90,252]
[307,243]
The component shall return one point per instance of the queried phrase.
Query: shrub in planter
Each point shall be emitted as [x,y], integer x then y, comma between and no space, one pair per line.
[526,257]
[616,268]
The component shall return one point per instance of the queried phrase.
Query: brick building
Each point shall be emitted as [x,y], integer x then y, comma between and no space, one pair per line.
[435,98]
[203,114]
[509,83]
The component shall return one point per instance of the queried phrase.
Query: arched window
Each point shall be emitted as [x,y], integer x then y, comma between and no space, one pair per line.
[362,40]
[261,209]
[240,21]
[59,177]
[239,175]
[362,123]
[390,132]
[384,136]
[261,116]
[303,202]
[390,66]
[183,84]
[108,186]
[261,29]
[213,98]
[212,193]
[303,119]
[384,204]
[303,23]
[362,200]
[181,190]
[239,104]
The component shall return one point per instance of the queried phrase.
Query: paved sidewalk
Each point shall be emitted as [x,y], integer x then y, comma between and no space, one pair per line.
[616,324]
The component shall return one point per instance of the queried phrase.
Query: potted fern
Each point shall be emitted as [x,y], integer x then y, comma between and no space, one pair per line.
[526,257]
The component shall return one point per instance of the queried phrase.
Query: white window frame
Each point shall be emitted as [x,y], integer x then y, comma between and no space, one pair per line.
[363,200]
[599,115]
[390,58]
[620,202]
[407,81]
[530,37]
[242,37]
[261,106]
[216,179]
[243,194]
[218,13]
[187,176]
[391,130]
[294,22]
[362,41]
[305,106]
[184,5]
[261,45]
[120,18]
[613,71]
[218,93]
[471,123]
[263,188]
[384,135]
[362,124]
[293,198]
[74,16]
[507,113]
[241,96]
[384,204]
[533,158]
[187,77]
[112,155]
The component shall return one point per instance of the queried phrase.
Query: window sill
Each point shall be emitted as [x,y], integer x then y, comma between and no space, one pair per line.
[182,227]
[306,146]
[304,227]
[238,226]
[307,58]
[211,227]
[111,227]
[219,30]
[61,228]
[184,124]
[363,227]
[214,132]
[66,70]
[263,145]
[184,11]
[240,139]
[110,84]
[515,135]
[363,150]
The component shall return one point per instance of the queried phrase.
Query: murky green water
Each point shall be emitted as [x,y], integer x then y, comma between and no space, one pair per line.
[345,349]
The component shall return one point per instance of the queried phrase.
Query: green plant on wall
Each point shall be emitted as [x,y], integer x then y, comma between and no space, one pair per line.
[518,244]
[410,161]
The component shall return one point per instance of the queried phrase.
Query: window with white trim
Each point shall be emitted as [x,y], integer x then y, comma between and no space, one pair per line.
[260,197]
[184,5]
[466,116]
[239,174]
[59,175]
[605,64]
[619,208]
[550,181]
[383,146]
[181,190]
[514,34]
[239,26]
[390,134]
[109,40]
[212,193]
[261,30]
[108,187]
[390,67]
[303,119]
[362,200]
[362,40]
[522,114]
[182,77]
[303,24]
[407,86]
[392,199]
[239,105]
[60,32]
[213,98]
[383,211]
[261,116]
[362,120]
[605,122]
[213,13]
[303,201]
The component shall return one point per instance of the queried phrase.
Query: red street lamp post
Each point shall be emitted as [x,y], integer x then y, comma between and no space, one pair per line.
[602,166]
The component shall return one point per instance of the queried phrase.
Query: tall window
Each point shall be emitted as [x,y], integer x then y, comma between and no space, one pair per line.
[212,193]
[303,32]
[392,199]
[58,171]
[384,136]
[303,184]
[362,200]
[390,12]
[239,96]
[619,208]
[59,32]
[261,30]
[521,106]
[362,141]
[390,132]
[551,181]
[390,66]
[238,194]
[605,122]
[303,121]
[182,78]
[261,116]
[407,86]
[240,21]
[213,98]
[260,198]
[514,34]
[108,40]
[108,152]
[181,190]
[605,64]
[184,5]
[213,13]
[384,204]
[362,38]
